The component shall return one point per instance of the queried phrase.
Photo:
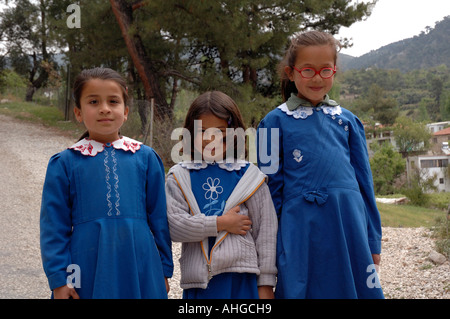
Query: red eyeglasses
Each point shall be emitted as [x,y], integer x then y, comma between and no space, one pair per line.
[309,73]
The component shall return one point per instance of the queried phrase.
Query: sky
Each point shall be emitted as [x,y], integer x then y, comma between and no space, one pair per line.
[392,21]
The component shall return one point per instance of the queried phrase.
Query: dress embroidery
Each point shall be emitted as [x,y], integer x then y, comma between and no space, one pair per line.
[92,148]
[213,190]
[297,155]
[213,184]
[108,185]
[106,162]
[116,184]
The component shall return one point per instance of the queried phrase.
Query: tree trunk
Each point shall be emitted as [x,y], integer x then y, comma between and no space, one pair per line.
[36,84]
[249,75]
[149,77]
[30,92]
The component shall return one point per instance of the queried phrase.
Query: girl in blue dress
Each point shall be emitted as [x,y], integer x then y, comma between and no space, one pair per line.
[314,153]
[219,207]
[103,216]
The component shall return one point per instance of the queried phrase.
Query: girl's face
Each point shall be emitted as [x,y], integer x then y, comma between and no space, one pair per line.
[316,57]
[103,110]
[209,137]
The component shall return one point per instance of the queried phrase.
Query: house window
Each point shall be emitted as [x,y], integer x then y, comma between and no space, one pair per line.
[443,163]
[434,163]
[441,181]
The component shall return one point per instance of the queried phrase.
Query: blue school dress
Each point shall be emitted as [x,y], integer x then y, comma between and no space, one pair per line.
[322,189]
[211,185]
[104,210]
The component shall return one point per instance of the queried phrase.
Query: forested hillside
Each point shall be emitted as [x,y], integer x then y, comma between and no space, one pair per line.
[429,49]
[407,78]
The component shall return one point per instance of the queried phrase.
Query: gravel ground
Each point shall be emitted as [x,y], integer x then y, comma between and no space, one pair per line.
[26,148]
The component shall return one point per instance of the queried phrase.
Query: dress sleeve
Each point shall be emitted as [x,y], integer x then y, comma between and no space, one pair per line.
[360,161]
[157,211]
[56,223]
[185,227]
[264,232]
[270,160]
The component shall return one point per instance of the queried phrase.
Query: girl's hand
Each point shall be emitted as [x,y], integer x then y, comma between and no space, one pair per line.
[167,285]
[376,260]
[233,222]
[265,292]
[64,292]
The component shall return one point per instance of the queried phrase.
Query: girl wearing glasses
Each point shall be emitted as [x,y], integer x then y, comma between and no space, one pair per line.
[329,236]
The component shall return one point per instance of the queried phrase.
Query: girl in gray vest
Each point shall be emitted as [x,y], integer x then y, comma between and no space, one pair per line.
[220,208]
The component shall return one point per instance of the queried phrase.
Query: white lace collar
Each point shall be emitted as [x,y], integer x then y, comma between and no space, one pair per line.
[232,166]
[91,147]
[303,112]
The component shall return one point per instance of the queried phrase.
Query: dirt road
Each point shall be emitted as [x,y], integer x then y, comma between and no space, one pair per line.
[25,151]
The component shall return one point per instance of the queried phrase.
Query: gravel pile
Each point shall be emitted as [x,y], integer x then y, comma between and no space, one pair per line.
[406,271]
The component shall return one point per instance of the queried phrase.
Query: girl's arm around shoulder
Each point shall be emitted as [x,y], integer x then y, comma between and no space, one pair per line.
[264,231]
[183,225]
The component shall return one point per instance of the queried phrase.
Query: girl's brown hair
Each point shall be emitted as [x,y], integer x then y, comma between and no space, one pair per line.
[300,41]
[218,104]
[97,73]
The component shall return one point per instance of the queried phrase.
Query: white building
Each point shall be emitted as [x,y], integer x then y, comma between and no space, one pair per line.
[438,126]
[437,161]
[432,165]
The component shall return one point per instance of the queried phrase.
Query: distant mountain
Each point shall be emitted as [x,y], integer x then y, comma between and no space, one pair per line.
[430,48]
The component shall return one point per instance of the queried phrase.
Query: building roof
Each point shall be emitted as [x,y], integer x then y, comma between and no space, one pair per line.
[445,131]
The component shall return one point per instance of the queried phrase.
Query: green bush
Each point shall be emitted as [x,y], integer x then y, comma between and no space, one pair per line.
[441,231]
[386,165]
[420,187]
[416,195]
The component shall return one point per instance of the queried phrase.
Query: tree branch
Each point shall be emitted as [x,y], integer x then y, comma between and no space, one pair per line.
[137,5]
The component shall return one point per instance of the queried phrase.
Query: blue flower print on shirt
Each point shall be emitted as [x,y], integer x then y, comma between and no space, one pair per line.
[213,190]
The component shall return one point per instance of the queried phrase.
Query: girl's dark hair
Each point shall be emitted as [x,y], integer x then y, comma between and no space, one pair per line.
[97,73]
[218,104]
[299,41]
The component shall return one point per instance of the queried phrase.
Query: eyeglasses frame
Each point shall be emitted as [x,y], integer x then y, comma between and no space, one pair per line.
[316,72]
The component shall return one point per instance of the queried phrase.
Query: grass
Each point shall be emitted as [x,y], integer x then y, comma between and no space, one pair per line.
[408,215]
[49,116]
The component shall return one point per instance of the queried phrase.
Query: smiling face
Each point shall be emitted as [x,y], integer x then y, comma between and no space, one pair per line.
[209,137]
[102,109]
[316,57]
